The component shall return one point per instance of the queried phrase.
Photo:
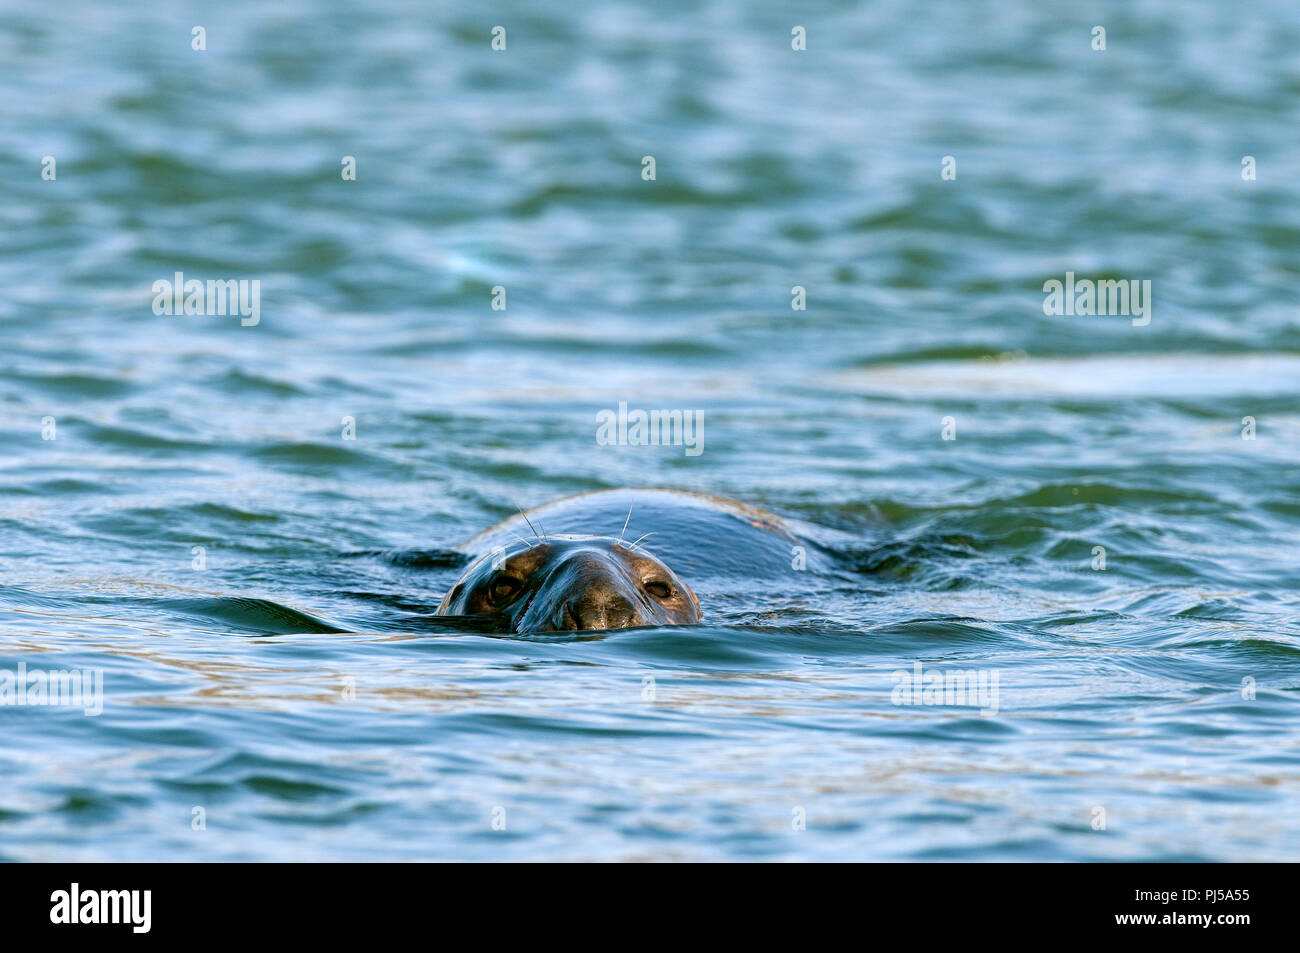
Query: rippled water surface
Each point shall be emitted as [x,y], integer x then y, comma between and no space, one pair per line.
[294,693]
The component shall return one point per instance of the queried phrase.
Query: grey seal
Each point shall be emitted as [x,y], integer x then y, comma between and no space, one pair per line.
[574,564]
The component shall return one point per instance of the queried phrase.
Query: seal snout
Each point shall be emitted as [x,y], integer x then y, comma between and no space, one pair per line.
[592,592]
[600,610]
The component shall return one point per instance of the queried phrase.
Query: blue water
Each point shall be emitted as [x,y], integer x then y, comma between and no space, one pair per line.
[294,699]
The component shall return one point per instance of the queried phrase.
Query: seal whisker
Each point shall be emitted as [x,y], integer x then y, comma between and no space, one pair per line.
[633,545]
[526,519]
[625,522]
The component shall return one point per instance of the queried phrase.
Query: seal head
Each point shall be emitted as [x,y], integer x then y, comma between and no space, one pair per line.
[571,583]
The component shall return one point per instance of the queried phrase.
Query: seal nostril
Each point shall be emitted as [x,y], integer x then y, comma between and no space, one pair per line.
[606,611]
[619,614]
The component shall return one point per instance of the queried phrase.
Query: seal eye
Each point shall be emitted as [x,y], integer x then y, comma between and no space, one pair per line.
[503,588]
[660,590]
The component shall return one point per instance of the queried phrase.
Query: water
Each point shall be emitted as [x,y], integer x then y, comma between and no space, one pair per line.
[298,698]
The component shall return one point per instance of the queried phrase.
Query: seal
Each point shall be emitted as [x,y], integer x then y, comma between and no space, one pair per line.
[589,562]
